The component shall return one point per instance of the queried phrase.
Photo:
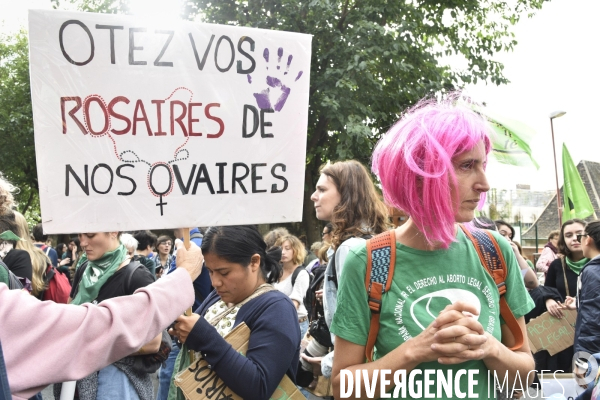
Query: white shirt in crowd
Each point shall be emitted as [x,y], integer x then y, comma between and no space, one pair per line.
[297,292]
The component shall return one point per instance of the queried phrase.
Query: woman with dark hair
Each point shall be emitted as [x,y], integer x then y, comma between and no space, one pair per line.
[326,234]
[242,273]
[442,310]
[73,254]
[564,271]
[163,255]
[63,263]
[562,275]
[505,229]
[60,249]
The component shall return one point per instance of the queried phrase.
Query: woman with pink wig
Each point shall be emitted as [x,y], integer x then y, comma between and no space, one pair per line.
[442,312]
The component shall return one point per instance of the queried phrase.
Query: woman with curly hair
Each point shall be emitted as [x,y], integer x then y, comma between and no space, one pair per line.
[346,197]
[294,278]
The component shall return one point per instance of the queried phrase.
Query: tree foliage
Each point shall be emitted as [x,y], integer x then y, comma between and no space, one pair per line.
[371,59]
[97,6]
[17,151]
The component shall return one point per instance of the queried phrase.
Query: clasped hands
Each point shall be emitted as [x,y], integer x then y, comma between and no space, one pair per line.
[455,336]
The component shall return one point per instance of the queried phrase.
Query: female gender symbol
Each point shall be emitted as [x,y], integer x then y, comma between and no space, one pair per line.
[169,186]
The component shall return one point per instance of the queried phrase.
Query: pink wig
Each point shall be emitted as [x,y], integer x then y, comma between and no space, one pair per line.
[414,163]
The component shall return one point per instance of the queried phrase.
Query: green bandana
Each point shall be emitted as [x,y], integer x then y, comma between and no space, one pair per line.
[9,236]
[577,266]
[97,273]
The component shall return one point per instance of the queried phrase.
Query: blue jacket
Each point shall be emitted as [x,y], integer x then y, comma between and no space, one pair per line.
[587,326]
[273,349]
[52,255]
[202,284]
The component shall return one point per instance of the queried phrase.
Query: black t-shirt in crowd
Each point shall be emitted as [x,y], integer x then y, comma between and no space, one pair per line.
[19,262]
[116,285]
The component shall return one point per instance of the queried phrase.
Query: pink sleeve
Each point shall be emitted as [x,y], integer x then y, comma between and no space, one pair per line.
[545,259]
[46,342]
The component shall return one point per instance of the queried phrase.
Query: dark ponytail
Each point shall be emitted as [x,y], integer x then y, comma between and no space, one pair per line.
[272,269]
[593,230]
[237,244]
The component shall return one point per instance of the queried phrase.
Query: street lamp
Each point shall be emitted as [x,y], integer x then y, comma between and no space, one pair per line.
[556,114]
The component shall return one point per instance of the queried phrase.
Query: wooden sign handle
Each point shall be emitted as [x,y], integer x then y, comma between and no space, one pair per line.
[186,238]
[187,243]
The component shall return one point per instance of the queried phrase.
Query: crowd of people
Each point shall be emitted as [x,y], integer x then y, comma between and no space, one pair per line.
[423,300]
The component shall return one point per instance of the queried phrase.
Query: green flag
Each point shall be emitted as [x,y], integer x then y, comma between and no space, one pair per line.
[577,203]
[510,139]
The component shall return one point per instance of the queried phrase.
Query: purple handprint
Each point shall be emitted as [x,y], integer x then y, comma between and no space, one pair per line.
[263,98]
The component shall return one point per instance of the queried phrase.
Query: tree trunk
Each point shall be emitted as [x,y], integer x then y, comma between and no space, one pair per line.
[312,226]
[28,204]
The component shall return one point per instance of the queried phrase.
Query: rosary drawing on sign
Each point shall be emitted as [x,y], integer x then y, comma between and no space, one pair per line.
[273,97]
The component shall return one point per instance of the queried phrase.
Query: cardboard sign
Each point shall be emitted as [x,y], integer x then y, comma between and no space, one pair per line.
[199,382]
[145,124]
[323,388]
[551,334]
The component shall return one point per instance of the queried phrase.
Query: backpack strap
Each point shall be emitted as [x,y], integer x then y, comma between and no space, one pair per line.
[295,274]
[333,273]
[50,271]
[77,278]
[129,271]
[333,277]
[492,259]
[381,260]
[48,275]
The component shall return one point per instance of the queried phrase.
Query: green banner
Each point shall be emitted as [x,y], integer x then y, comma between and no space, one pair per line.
[510,139]
[577,203]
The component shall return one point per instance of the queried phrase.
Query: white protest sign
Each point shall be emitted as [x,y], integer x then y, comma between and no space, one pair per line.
[142,124]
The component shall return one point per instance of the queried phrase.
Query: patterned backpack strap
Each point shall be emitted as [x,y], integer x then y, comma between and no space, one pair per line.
[492,259]
[381,259]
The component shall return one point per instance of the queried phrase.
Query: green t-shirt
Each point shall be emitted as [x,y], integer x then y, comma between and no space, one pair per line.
[424,283]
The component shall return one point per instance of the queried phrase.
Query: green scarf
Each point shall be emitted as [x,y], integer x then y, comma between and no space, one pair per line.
[577,266]
[97,273]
